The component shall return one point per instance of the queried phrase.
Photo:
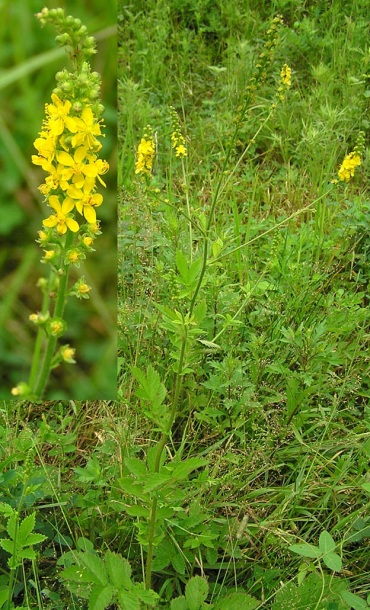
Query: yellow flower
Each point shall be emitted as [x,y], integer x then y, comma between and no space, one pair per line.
[86,201]
[83,288]
[72,167]
[286,76]
[67,353]
[85,129]
[58,115]
[73,256]
[45,147]
[145,155]
[61,219]
[347,169]
[180,151]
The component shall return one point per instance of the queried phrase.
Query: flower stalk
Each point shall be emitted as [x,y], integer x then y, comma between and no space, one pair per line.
[68,149]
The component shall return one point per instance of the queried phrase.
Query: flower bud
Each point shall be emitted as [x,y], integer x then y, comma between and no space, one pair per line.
[56,327]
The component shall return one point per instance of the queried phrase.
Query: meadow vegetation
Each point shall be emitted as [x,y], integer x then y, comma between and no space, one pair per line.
[233,470]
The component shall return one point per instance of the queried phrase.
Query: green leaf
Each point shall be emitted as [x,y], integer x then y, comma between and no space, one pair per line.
[5,509]
[306,550]
[333,561]
[100,597]
[119,570]
[185,467]
[158,480]
[128,601]
[179,603]
[11,526]
[136,466]
[96,567]
[196,592]
[326,543]
[178,563]
[366,487]
[7,545]
[151,389]
[35,538]
[25,529]
[237,601]
[27,553]
[3,596]
[137,511]
[354,601]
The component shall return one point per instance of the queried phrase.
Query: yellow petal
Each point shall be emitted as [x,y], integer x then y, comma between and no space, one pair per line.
[72,225]
[89,213]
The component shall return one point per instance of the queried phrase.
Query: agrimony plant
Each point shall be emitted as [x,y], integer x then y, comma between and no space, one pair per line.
[68,151]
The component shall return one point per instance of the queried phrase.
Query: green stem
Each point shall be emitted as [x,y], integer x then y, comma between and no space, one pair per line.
[58,313]
[40,335]
[178,384]
[157,462]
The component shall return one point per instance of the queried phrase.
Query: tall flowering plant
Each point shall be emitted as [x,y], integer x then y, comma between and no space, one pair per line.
[68,149]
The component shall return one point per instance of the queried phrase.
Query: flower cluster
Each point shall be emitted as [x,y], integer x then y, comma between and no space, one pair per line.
[67,147]
[286,76]
[284,85]
[177,139]
[351,161]
[265,58]
[145,153]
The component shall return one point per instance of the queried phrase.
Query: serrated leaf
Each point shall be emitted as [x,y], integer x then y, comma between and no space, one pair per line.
[147,596]
[158,480]
[326,543]
[100,597]
[128,601]
[151,389]
[25,528]
[136,466]
[306,550]
[11,526]
[354,601]
[238,601]
[5,509]
[178,563]
[27,553]
[76,574]
[7,545]
[333,561]
[179,603]
[119,570]
[185,467]
[196,592]
[95,567]
[210,345]
[137,511]
[35,538]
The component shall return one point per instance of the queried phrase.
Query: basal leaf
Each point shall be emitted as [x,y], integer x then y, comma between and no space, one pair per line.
[95,567]
[100,597]
[238,601]
[128,600]
[119,570]
[179,603]
[196,592]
